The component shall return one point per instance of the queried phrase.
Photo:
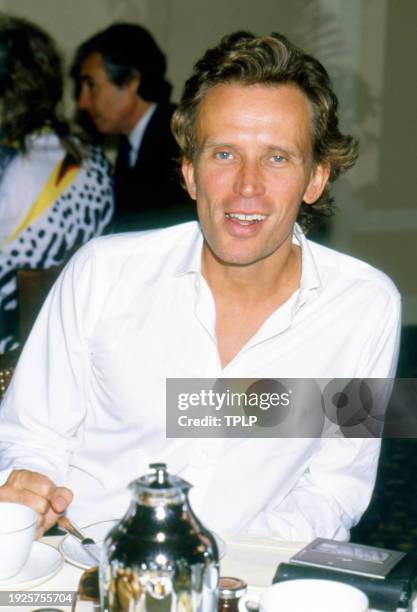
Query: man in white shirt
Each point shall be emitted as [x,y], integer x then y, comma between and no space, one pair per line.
[120,84]
[242,295]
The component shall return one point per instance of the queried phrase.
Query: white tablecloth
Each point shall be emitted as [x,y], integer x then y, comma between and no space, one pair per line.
[252,559]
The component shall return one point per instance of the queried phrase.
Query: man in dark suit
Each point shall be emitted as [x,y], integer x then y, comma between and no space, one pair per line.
[120,85]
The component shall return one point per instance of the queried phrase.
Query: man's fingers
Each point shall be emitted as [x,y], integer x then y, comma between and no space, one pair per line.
[58,503]
[48,520]
[25,480]
[32,481]
[61,499]
[45,522]
[38,492]
[28,498]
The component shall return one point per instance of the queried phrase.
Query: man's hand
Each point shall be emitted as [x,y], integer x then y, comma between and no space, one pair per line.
[38,492]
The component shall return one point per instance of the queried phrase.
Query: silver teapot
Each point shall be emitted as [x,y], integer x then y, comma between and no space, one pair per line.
[159,558]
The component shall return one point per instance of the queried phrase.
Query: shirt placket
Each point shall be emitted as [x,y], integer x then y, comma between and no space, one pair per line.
[205,451]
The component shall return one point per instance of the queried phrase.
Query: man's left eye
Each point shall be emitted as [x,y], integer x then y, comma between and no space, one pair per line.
[277,159]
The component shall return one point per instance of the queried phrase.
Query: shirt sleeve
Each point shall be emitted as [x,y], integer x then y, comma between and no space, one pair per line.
[330,496]
[46,403]
[335,489]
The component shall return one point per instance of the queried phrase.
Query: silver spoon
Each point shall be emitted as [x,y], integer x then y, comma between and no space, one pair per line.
[88,544]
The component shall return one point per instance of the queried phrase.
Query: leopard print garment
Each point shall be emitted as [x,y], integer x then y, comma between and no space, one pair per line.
[81,212]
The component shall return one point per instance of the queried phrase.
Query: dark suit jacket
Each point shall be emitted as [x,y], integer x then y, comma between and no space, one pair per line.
[150,193]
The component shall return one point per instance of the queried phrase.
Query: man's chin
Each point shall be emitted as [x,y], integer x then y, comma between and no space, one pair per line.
[236,259]
[240,262]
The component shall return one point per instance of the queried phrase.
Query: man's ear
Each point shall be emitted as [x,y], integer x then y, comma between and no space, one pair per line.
[134,83]
[320,176]
[187,169]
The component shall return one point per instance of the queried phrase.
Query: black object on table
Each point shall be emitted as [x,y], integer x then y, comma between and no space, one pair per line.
[392,593]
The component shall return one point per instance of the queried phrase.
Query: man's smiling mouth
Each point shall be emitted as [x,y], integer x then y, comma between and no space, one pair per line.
[245,219]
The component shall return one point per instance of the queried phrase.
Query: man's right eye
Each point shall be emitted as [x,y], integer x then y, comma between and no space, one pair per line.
[223,155]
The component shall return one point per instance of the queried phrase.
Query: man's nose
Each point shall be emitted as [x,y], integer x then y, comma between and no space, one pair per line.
[84,99]
[249,181]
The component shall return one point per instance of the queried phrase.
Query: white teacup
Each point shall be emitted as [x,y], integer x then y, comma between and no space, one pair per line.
[17,533]
[309,595]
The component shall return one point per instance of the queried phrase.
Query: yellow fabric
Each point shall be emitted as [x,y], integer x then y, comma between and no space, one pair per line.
[53,189]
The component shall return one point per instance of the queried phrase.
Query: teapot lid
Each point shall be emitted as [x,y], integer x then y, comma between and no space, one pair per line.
[159,486]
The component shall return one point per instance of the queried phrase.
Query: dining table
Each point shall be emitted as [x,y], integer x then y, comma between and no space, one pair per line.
[252,559]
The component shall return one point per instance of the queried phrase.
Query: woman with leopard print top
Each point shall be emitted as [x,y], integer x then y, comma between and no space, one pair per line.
[55,193]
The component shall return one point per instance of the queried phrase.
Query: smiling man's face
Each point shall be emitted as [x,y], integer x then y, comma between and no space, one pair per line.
[252,170]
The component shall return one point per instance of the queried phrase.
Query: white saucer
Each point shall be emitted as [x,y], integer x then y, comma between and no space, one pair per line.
[72,550]
[43,563]
[74,553]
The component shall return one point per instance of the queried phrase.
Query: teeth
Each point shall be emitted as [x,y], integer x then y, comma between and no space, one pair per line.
[242,217]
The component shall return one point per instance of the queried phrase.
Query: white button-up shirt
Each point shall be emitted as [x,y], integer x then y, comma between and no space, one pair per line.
[87,403]
[136,135]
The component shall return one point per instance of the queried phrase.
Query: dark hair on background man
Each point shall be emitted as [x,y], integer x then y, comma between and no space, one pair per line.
[127,50]
[31,84]
[247,59]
